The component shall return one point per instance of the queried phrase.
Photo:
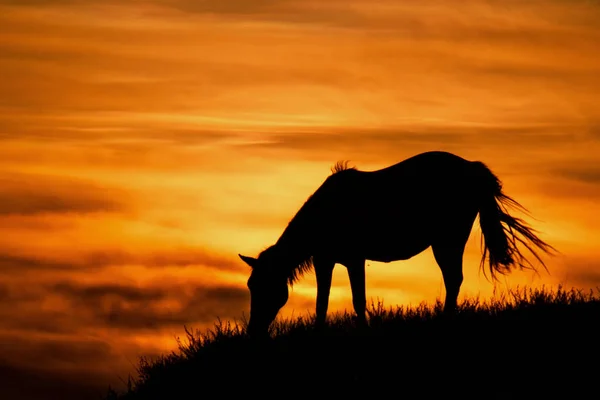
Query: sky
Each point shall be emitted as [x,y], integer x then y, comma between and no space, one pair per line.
[144,144]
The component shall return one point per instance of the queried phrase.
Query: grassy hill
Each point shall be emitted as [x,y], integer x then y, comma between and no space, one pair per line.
[528,343]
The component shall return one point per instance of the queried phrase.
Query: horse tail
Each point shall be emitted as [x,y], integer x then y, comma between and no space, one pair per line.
[502,234]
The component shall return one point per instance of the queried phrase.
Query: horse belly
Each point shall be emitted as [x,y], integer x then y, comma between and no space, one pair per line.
[384,238]
[387,246]
[382,224]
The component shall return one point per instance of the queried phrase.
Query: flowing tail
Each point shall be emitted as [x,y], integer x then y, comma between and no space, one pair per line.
[502,234]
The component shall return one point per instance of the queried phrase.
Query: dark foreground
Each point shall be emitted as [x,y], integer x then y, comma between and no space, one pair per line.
[530,344]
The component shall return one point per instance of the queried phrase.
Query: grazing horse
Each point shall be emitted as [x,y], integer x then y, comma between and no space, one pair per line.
[395,213]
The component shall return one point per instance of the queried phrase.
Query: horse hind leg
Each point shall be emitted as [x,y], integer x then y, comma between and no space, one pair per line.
[453,277]
[448,254]
[449,259]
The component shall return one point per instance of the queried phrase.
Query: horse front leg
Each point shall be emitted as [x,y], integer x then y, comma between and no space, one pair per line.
[324,273]
[356,273]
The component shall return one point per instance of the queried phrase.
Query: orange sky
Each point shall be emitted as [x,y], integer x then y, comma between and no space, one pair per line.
[143,146]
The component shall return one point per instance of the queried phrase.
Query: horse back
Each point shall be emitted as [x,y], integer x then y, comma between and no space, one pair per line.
[411,198]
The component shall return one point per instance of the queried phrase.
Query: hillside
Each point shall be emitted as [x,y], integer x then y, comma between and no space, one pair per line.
[529,343]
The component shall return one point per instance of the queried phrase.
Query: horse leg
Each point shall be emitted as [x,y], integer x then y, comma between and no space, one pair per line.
[449,259]
[323,273]
[356,273]
[448,249]
[448,253]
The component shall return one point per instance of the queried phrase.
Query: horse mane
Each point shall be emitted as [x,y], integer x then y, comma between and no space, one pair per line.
[340,166]
[303,263]
[298,271]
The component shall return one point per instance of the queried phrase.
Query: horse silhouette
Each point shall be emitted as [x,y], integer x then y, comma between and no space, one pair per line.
[395,213]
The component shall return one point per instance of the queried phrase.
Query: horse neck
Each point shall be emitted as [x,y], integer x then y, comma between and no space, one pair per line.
[294,244]
[298,240]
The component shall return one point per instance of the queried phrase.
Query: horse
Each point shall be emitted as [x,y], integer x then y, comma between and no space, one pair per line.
[428,200]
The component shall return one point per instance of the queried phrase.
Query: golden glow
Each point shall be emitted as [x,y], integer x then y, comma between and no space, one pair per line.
[143,147]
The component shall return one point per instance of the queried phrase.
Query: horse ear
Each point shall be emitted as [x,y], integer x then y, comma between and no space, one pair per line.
[249,260]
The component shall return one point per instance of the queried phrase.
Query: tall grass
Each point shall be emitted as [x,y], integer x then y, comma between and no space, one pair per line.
[518,344]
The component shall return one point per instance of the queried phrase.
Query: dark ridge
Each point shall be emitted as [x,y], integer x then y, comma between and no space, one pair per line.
[528,343]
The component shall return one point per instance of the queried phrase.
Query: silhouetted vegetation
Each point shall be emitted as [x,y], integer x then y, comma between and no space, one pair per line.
[527,343]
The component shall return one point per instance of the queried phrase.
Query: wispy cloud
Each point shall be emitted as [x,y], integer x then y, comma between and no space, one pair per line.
[589,174]
[27,383]
[93,261]
[36,194]
[139,308]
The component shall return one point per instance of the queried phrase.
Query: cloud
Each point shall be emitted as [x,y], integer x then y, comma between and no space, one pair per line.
[68,308]
[18,263]
[395,143]
[5,294]
[347,138]
[153,308]
[237,7]
[93,293]
[36,194]
[573,180]
[70,351]
[72,327]
[58,366]
[122,312]
[29,383]
[589,279]
[576,269]
[38,3]
[93,260]
[390,15]
[589,174]
[222,75]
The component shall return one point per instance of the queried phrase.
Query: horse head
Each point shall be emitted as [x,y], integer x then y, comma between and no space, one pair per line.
[268,293]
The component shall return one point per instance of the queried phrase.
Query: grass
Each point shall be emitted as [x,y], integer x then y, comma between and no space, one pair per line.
[527,343]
